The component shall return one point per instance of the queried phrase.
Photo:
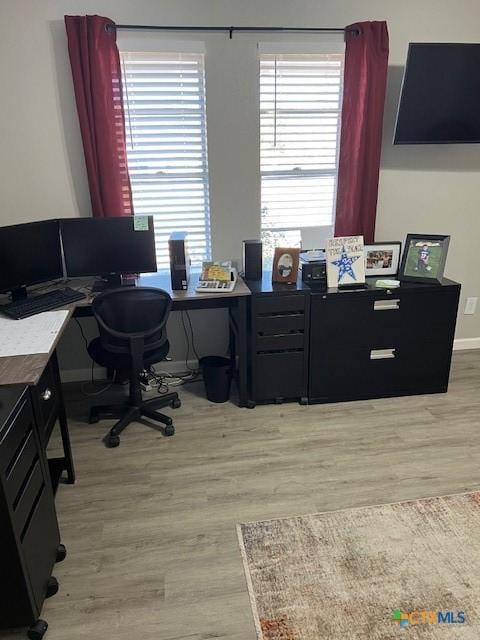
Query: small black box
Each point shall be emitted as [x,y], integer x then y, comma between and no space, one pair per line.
[179,260]
[314,272]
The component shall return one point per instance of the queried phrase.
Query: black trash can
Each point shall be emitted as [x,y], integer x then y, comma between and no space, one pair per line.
[217,376]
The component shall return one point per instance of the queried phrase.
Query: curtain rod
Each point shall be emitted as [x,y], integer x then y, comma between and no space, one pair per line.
[230,30]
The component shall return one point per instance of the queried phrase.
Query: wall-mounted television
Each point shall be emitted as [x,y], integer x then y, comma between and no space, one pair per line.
[440,97]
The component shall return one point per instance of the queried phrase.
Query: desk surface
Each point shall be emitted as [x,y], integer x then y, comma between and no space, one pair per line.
[27,369]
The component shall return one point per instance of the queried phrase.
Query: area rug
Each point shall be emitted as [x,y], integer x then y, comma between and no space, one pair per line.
[405,570]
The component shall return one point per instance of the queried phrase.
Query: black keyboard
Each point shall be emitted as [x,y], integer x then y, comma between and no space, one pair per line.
[44,302]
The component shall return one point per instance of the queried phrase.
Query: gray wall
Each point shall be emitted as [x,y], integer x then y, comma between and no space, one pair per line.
[422,189]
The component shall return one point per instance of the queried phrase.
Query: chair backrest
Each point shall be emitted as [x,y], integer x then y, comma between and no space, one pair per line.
[132,317]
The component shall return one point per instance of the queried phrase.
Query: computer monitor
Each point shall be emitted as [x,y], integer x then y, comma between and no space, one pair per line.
[29,254]
[108,246]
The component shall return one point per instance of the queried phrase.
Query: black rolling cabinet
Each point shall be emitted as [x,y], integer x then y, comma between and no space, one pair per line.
[278,342]
[29,534]
[378,343]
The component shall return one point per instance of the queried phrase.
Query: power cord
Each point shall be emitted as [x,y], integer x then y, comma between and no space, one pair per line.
[163,380]
[187,340]
[92,381]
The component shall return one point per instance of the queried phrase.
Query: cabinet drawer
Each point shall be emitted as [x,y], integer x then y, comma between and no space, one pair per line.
[279,342]
[21,466]
[429,315]
[279,304]
[48,400]
[420,316]
[373,373]
[275,325]
[279,375]
[26,498]
[14,433]
[40,540]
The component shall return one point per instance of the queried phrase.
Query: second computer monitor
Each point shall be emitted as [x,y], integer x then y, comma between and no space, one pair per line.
[102,246]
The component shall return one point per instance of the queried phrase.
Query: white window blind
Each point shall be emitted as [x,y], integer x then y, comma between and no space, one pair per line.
[166,132]
[300,108]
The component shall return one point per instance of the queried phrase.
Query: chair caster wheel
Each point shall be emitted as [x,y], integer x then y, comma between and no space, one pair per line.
[61,553]
[52,587]
[37,630]
[303,401]
[176,404]
[251,404]
[93,418]
[169,430]
[113,441]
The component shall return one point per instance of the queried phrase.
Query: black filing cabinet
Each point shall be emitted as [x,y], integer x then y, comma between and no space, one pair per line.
[379,343]
[278,343]
[29,534]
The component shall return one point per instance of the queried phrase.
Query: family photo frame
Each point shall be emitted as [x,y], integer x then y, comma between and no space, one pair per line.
[382,258]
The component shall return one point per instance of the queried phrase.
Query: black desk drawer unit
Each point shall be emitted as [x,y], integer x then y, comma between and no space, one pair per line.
[29,534]
[371,344]
[47,391]
[279,347]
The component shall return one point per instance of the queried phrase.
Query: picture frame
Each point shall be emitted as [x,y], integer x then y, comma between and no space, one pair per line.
[424,257]
[382,258]
[285,265]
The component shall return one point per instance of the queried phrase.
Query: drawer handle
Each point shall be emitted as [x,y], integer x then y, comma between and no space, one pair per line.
[47,394]
[382,354]
[386,305]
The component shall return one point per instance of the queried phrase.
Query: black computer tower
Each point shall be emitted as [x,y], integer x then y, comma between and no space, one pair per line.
[179,260]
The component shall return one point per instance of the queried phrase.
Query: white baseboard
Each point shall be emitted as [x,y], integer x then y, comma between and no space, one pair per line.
[99,373]
[462,344]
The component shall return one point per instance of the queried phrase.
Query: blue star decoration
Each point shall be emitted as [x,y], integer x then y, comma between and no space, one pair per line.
[344,264]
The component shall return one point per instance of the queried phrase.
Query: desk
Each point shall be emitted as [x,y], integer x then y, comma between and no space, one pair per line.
[28,369]
[235,301]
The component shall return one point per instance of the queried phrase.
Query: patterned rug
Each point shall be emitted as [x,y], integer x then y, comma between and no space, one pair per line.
[406,570]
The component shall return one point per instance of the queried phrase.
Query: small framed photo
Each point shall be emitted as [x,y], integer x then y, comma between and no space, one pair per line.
[382,258]
[424,258]
[285,265]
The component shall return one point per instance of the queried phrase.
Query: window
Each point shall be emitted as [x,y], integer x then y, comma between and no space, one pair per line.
[166,132]
[300,107]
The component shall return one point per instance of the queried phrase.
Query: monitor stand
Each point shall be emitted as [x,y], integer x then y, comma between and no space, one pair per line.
[113,281]
[19,293]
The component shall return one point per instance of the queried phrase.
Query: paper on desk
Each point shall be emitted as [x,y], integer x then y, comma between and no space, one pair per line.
[30,335]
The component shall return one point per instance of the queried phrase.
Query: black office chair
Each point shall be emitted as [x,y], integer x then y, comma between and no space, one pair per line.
[132,336]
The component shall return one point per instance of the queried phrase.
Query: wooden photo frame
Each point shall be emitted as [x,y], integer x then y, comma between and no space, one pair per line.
[424,257]
[285,265]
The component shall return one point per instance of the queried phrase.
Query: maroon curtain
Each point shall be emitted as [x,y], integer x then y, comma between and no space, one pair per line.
[97,82]
[365,78]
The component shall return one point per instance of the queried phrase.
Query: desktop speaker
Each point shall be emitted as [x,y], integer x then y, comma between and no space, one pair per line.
[252,259]
[179,260]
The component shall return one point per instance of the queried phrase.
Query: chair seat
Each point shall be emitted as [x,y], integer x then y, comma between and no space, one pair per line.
[123,361]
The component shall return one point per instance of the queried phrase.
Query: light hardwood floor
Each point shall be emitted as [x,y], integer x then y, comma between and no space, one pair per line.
[150,526]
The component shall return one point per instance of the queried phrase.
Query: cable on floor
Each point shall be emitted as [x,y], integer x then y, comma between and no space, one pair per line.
[92,382]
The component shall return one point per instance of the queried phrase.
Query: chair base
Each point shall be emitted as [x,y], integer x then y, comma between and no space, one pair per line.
[127,413]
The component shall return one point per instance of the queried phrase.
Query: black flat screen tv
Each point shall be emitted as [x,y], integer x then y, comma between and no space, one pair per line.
[440,97]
